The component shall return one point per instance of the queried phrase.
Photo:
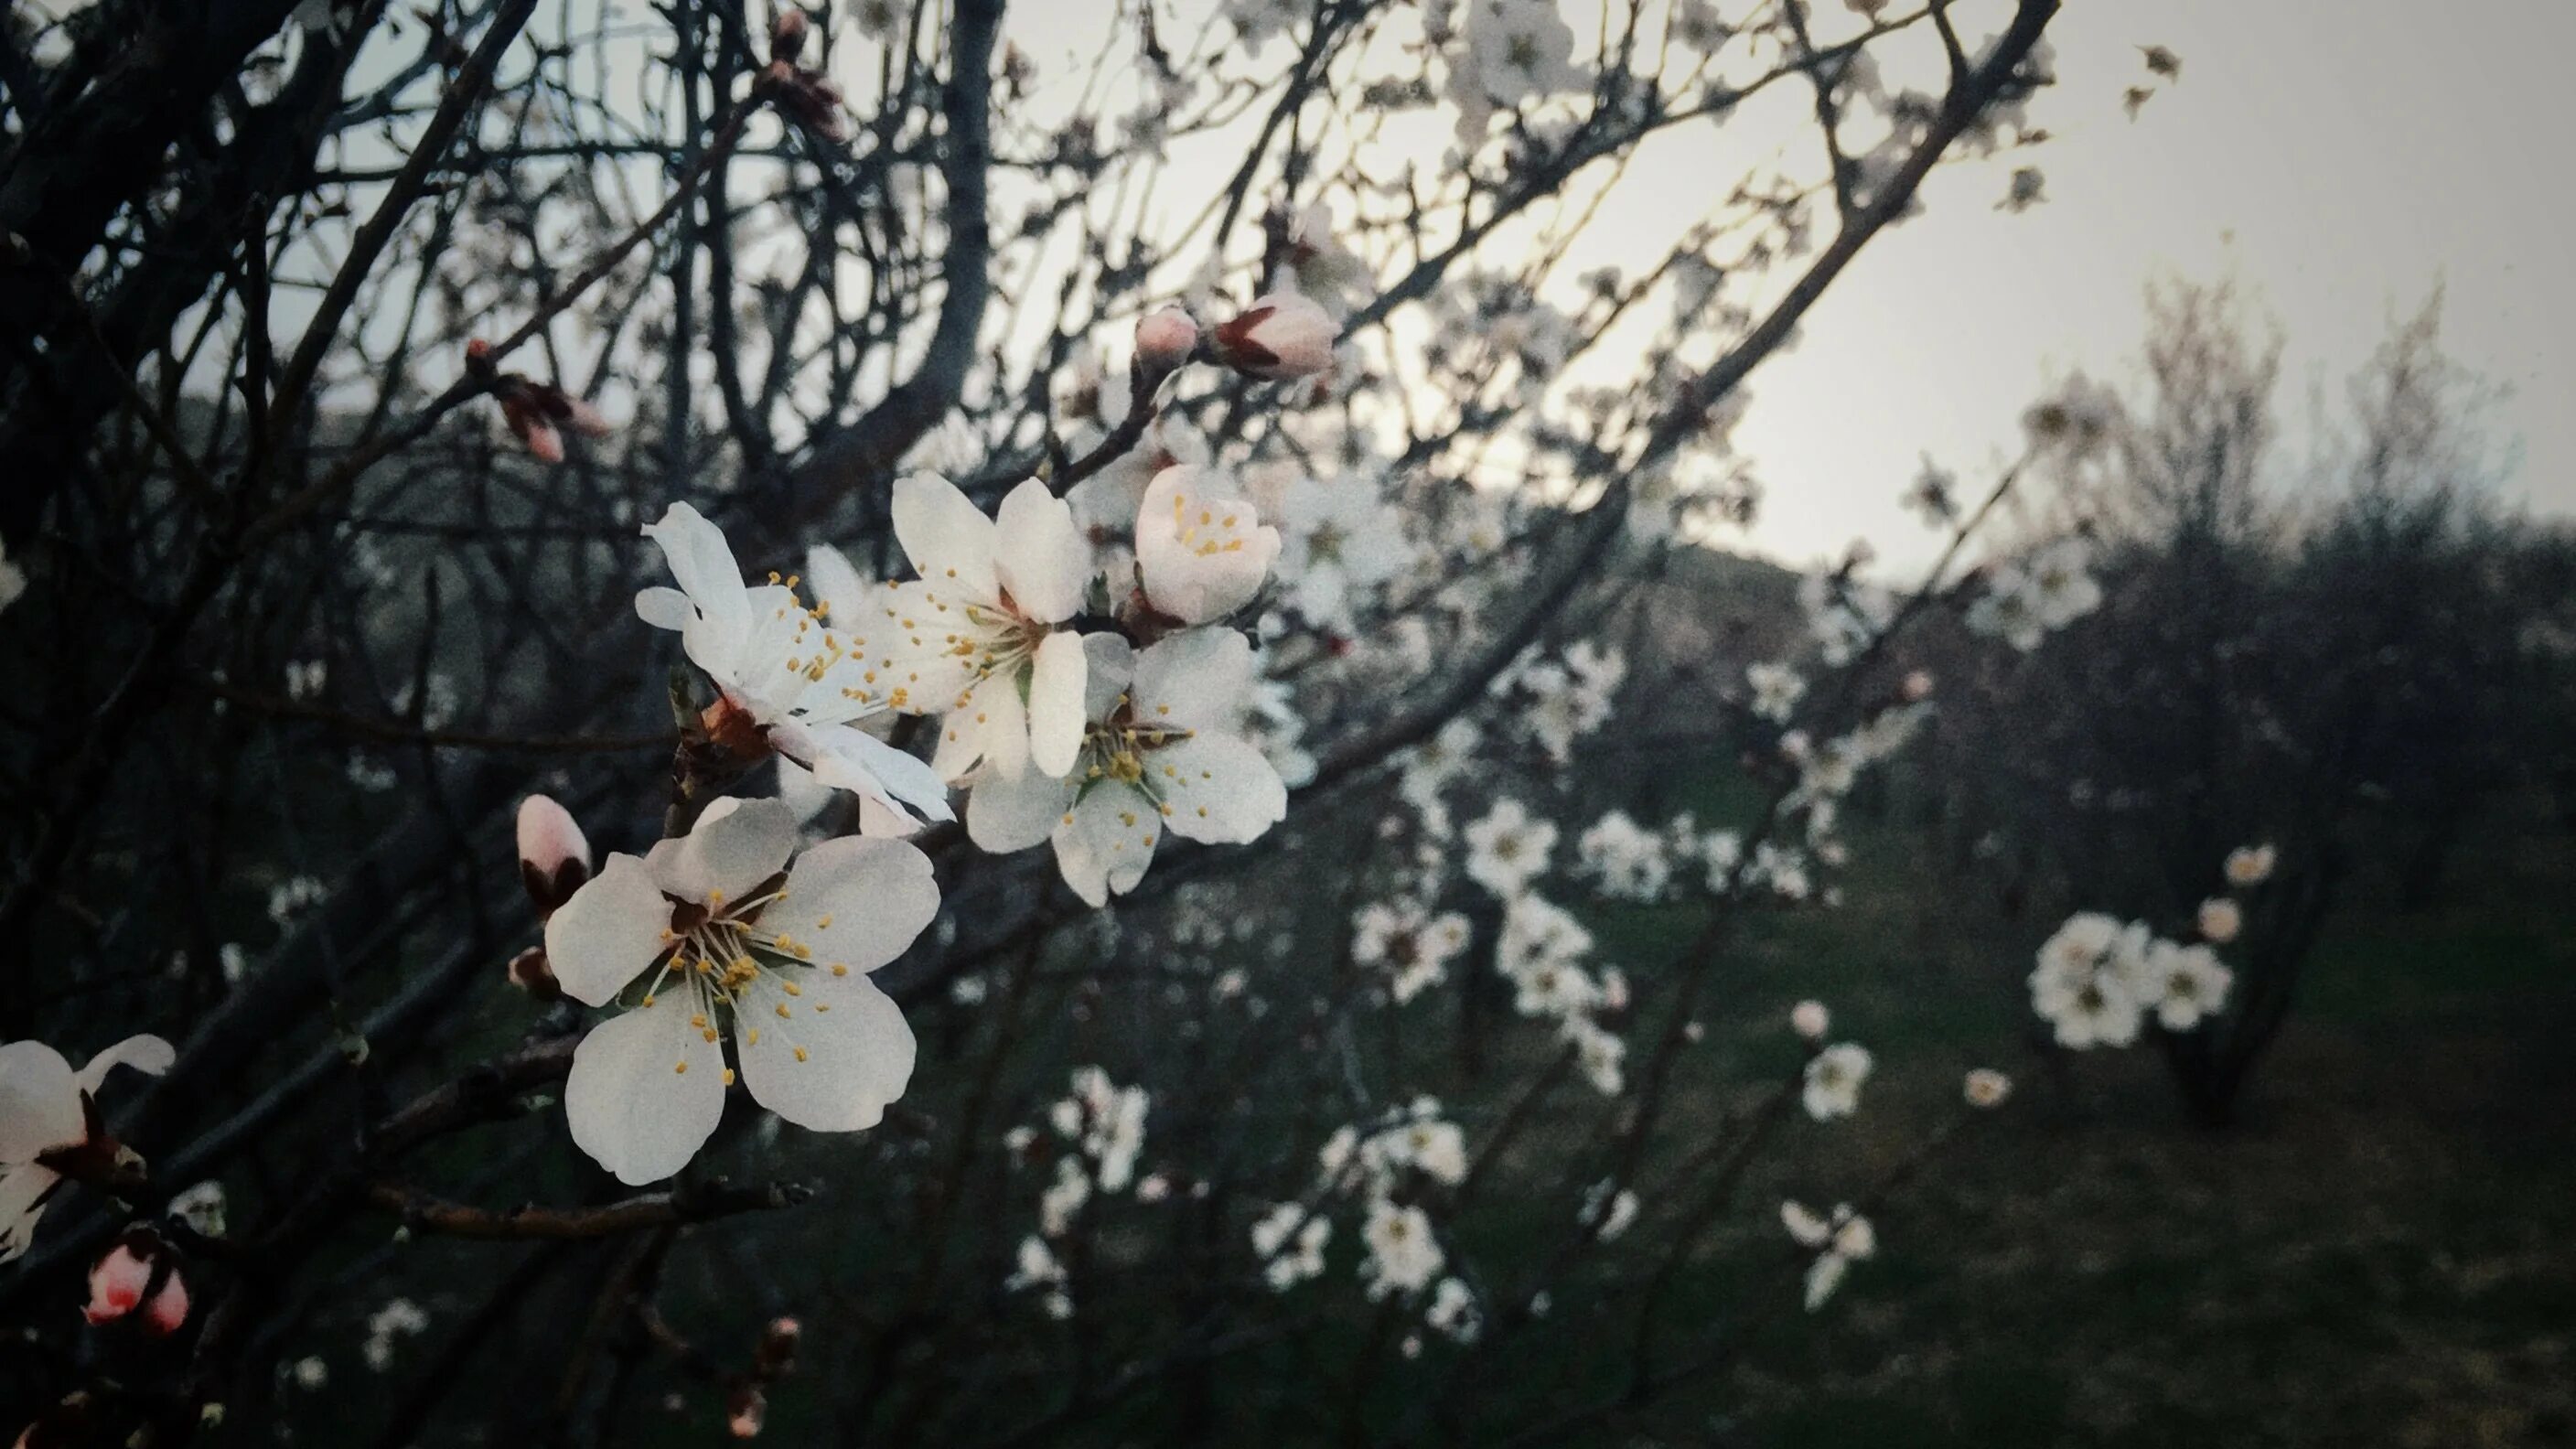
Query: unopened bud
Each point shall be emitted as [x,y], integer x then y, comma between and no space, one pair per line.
[1918,686]
[745,1411]
[777,1353]
[1810,1020]
[1165,339]
[138,1278]
[1281,335]
[554,857]
[787,35]
[2220,920]
[532,973]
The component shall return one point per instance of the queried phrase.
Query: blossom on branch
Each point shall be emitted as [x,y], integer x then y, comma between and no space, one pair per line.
[791,677]
[1160,751]
[50,1128]
[729,939]
[981,638]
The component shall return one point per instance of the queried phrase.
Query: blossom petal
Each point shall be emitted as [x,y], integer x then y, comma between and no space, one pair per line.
[847,758]
[1109,666]
[144,1052]
[611,929]
[829,1058]
[1196,679]
[1106,841]
[1039,555]
[665,607]
[1057,683]
[948,538]
[39,1102]
[837,588]
[1218,788]
[856,902]
[1003,815]
[703,563]
[646,1091]
[735,846]
[989,724]
[23,1192]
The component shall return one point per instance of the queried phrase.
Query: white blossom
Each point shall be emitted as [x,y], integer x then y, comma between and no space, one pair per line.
[1159,752]
[787,669]
[46,1110]
[729,939]
[1833,1081]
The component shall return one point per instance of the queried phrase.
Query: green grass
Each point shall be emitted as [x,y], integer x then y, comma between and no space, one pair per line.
[2383,1252]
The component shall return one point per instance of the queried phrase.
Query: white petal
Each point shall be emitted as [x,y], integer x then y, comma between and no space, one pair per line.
[1823,1276]
[1195,679]
[856,902]
[858,1053]
[835,587]
[611,929]
[1057,683]
[1217,788]
[23,1191]
[851,759]
[1109,666]
[39,1102]
[1039,555]
[664,607]
[799,791]
[948,538]
[989,724]
[1105,846]
[735,846]
[703,563]
[145,1053]
[646,1091]
[1003,815]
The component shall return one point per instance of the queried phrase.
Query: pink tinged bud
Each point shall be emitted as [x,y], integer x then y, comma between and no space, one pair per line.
[1810,1020]
[584,419]
[533,430]
[554,858]
[1918,686]
[1165,339]
[123,1282]
[777,1352]
[1280,336]
[168,1308]
[746,1411]
[117,1283]
[787,36]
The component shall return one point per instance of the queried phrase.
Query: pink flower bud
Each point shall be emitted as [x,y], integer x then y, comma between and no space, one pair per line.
[777,1352]
[746,1411]
[1281,335]
[1918,686]
[1165,339]
[787,35]
[123,1281]
[116,1284]
[554,859]
[1810,1020]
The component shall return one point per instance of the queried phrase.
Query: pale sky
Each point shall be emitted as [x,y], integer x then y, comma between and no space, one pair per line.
[2340,158]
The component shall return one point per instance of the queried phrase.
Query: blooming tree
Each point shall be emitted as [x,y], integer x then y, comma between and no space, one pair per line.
[1264,559]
